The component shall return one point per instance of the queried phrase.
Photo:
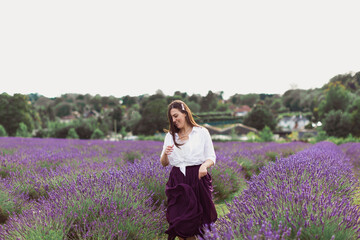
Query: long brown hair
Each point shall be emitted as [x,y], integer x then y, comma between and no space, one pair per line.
[182,107]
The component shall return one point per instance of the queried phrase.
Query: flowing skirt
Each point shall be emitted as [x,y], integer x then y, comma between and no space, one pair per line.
[190,204]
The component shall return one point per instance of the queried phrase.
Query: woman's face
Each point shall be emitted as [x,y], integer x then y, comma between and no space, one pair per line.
[178,118]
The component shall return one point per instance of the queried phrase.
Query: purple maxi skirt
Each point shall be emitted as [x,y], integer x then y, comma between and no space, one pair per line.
[190,204]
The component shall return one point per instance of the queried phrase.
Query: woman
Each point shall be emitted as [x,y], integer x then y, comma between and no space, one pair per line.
[189,149]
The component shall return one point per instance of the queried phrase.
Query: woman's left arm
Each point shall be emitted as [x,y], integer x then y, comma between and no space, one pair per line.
[209,154]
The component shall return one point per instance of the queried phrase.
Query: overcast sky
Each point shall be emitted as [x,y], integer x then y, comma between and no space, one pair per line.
[137,47]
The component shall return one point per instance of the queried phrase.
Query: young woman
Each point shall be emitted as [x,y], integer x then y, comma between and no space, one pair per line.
[189,149]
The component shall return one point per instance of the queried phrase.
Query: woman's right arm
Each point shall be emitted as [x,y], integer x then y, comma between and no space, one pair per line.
[167,150]
[164,160]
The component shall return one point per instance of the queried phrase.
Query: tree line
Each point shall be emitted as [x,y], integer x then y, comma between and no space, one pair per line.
[336,105]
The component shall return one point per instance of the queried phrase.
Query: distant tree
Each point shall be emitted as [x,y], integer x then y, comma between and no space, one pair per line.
[342,79]
[80,97]
[194,107]
[354,111]
[33,97]
[22,131]
[117,115]
[3,132]
[357,78]
[196,98]
[129,101]
[337,123]
[245,99]
[277,106]
[132,119]
[96,103]
[209,102]
[336,98]
[180,96]
[14,110]
[72,134]
[355,120]
[222,107]
[292,99]
[63,109]
[84,130]
[259,117]
[153,117]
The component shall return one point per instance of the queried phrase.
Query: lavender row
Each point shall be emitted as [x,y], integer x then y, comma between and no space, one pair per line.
[99,206]
[38,172]
[305,196]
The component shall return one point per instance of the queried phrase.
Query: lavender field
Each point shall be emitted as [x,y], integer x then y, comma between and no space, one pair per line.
[82,189]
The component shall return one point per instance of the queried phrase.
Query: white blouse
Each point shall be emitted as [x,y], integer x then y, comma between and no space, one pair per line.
[197,149]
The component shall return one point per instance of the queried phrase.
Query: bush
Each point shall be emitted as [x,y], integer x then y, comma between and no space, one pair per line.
[305,196]
[97,134]
[227,182]
[130,156]
[266,134]
[337,123]
[22,131]
[84,131]
[61,132]
[72,134]
[3,132]
[42,133]
[93,207]
[6,206]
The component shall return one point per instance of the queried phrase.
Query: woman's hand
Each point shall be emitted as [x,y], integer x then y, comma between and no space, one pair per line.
[203,168]
[164,158]
[202,171]
[169,149]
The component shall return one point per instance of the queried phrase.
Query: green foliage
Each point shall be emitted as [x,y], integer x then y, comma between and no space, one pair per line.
[7,205]
[266,135]
[63,109]
[130,156]
[154,117]
[117,115]
[22,131]
[72,134]
[157,188]
[251,137]
[339,141]
[209,102]
[7,169]
[194,107]
[84,130]
[131,119]
[246,99]
[249,166]
[156,137]
[337,123]
[336,98]
[259,117]
[97,134]
[3,132]
[354,111]
[216,118]
[277,106]
[291,99]
[321,136]
[40,231]
[14,110]
[226,183]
